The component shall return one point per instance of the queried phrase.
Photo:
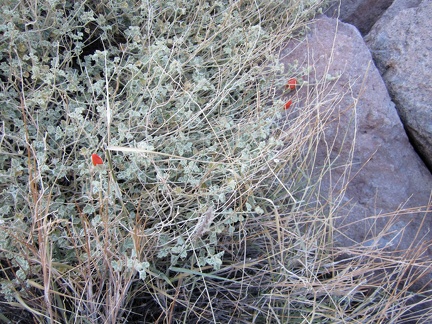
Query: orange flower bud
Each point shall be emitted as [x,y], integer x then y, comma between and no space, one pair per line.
[292,83]
[288,104]
[96,159]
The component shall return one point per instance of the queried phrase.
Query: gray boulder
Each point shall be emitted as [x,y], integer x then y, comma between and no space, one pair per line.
[401,44]
[378,190]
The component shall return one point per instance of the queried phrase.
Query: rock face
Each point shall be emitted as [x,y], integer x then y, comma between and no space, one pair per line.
[400,41]
[401,44]
[380,185]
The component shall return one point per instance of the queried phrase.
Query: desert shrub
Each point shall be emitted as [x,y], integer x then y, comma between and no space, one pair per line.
[202,209]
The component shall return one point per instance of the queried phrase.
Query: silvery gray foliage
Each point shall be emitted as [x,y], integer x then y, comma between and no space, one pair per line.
[192,84]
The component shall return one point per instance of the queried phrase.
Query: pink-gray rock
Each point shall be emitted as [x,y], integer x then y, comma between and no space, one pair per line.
[379,184]
[361,13]
[401,43]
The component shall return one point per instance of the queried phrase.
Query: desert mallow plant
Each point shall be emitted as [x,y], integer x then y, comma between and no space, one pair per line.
[182,99]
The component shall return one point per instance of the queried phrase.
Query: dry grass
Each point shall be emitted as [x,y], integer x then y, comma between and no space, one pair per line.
[171,234]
